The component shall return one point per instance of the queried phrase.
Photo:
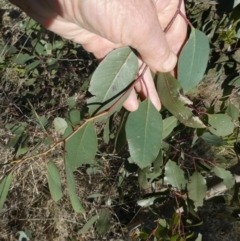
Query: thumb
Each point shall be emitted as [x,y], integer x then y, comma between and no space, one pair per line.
[154,50]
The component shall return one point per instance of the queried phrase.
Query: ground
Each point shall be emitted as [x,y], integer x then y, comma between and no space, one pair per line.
[29,206]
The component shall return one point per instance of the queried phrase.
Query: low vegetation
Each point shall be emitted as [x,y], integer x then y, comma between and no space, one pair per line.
[75,165]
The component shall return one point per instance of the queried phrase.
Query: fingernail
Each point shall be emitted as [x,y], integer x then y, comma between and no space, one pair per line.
[170,63]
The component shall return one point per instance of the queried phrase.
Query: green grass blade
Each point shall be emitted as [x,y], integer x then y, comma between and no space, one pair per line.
[4,188]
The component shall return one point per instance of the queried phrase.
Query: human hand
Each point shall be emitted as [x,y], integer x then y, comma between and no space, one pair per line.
[101,26]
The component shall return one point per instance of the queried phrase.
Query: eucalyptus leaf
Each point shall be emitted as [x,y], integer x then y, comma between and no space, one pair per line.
[106,132]
[4,188]
[75,117]
[174,175]
[144,134]
[104,222]
[158,162]
[193,60]
[81,146]
[197,189]
[95,195]
[72,102]
[120,137]
[142,178]
[157,167]
[89,224]
[235,82]
[113,75]
[215,140]
[169,91]
[199,237]
[23,236]
[232,111]
[60,125]
[147,202]
[77,206]
[68,131]
[168,125]
[226,175]
[220,124]
[54,181]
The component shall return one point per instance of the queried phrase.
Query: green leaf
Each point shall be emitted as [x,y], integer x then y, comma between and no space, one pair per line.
[193,60]
[60,125]
[58,44]
[14,141]
[77,206]
[142,178]
[113,75]
[120,137]
[48,47]
[106,132]
[235,82]
[21,151]
[89,224]
[43,122]
[54,181]
[147,202]
[220,124]
[17,129]
[158,162]
[23,236]
[33,65]
[169,91]
[175,238]
[75,117]
[104,222]
[232,111]
[81,146]
[227,176]
[72,102]
[8,50]
[174,175]
[197,189]
[168,125]
[4,188]
[68,131]
[199,237]
[39,48]
[95,195]
[215,140]
[144,134]
[21,58]
[157,167]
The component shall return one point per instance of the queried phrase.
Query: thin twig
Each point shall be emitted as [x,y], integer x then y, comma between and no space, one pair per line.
[174,17]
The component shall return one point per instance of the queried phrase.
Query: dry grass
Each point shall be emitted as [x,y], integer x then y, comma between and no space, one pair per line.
[29,205]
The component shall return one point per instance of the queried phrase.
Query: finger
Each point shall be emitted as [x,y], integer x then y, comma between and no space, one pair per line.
[146,89]
[152,45]
[100,47]
[131,104]
[176,34]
